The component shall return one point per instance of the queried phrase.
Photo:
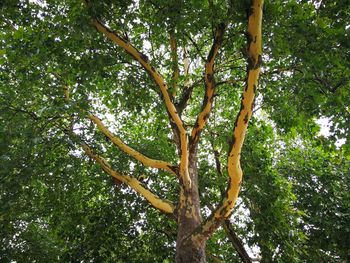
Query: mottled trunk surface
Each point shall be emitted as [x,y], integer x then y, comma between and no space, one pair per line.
[189,218]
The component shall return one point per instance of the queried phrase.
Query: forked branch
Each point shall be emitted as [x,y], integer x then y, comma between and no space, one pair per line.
[143,60]
[158,79]
[224,210]
[209,85]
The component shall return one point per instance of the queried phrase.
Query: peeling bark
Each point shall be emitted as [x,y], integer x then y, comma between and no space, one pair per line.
[192,232]
[225,208]
[164,206]
[130,151]
[189,218]
[209,85]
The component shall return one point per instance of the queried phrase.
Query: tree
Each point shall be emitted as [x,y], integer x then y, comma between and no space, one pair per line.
[101,73]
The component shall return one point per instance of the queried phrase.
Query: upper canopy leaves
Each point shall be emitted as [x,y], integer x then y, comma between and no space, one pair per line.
[48,188]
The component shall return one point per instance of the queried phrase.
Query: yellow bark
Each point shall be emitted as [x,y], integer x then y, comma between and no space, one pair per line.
[209,85]
[158,79]
[143,60]
[163,205]
[234,168]
[66,93]
[130,151]
[246,111]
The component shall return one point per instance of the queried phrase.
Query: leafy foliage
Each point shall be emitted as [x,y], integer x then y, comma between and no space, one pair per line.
[57,205]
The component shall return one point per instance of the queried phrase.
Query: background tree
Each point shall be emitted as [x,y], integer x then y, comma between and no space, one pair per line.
[58,205]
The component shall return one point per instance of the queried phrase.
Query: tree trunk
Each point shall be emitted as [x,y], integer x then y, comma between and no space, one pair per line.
[190,253]
[189,218]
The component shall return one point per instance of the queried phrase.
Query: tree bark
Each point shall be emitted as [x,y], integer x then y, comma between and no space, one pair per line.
[189,218]
[236,242]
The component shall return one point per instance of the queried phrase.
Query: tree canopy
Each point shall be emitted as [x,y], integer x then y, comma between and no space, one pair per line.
[109,109]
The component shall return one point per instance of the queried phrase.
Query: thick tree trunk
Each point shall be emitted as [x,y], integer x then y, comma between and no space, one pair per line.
[190,253]
[189,217]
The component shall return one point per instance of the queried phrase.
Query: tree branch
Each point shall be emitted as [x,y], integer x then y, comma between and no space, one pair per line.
[186,95]
[187,90]
[143,60]
[225,208]
[130,151]
[217,159]
[229,81]
[158,79]
[175,63]
[262,74]
[199,50]
[209,85]
[9,24]
[149,162]
[163,205]
[236,242]
[234,239]
[214,258]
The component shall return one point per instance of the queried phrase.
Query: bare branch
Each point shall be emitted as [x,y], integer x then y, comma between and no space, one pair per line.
[265,73]
[229,81]
[186,95]
[194,43]
[217,159]
[187,89]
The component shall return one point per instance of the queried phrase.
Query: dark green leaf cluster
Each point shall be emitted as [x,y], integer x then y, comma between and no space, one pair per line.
[57,205]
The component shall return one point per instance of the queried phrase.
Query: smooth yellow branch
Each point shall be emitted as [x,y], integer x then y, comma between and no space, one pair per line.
[130,151]
[158,79]
[247,103]
[209,85]
[163,205]
[143,60]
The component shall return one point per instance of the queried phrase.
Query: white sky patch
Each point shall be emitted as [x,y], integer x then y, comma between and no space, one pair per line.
[241,217]
[325,124]
[41,3]
[147,45]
